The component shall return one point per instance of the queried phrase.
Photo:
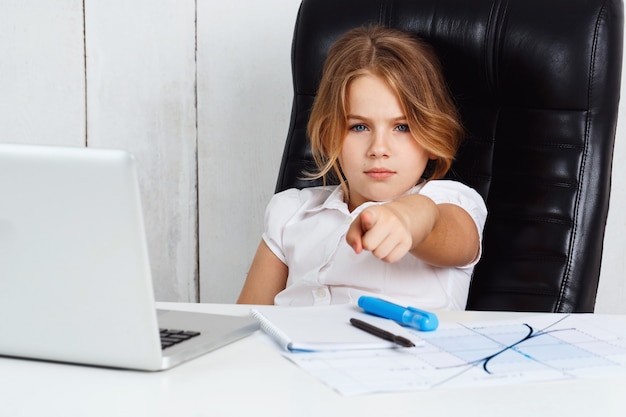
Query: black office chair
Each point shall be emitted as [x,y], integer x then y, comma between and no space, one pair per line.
[537,83]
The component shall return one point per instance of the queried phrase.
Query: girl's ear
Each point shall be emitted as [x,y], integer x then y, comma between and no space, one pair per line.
[433,157]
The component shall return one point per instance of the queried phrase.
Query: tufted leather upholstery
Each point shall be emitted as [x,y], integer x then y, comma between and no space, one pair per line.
[537,83]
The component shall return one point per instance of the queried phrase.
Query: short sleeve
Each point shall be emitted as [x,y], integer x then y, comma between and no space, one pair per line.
[281,208]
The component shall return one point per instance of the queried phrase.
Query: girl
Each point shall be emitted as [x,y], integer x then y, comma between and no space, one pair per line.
[384,126]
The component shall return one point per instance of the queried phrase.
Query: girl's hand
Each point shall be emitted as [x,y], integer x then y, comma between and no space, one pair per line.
[440,235]
[382,231]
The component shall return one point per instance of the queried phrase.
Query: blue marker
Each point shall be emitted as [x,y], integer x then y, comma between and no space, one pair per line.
[407,316]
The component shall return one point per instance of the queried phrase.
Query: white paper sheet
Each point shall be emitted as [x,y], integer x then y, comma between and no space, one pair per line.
[537,348]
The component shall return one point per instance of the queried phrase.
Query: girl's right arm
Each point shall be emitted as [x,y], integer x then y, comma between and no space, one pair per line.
[266,278]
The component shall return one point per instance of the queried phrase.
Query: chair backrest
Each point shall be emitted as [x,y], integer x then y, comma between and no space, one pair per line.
[537,83]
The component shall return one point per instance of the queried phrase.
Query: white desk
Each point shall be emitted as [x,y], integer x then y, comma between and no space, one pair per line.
[251,378]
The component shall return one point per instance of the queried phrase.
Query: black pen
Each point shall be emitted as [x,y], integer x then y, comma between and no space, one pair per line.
[383,334]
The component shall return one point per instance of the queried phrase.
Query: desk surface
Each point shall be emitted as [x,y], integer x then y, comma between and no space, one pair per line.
[251,378]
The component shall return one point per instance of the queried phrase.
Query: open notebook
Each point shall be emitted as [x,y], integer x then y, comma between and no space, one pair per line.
[75,281]
[327,328]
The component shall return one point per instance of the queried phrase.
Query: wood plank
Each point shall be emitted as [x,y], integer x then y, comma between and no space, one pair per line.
[244,105]
[42,72]
[141,97]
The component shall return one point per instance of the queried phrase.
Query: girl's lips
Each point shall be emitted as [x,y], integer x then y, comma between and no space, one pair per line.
[379,173]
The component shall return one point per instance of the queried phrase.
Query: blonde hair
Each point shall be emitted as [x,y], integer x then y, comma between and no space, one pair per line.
[413,72]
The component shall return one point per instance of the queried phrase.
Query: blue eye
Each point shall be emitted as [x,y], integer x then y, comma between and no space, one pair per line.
[403,128]
[358,128]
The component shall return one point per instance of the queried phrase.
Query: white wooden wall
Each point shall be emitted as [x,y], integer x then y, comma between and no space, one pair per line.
[200,92]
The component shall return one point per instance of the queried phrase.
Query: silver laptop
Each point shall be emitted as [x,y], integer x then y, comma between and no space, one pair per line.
[75,282]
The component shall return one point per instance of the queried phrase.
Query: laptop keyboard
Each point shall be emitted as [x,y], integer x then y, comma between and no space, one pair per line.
[171,337]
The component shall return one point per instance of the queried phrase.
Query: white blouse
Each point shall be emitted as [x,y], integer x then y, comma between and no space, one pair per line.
[306,230]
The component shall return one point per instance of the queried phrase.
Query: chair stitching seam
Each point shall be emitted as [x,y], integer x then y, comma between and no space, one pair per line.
[566,280]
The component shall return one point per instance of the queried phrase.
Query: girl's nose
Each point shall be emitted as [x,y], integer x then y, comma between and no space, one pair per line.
[378,146]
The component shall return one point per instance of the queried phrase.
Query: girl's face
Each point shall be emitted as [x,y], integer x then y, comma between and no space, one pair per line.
[379,158]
